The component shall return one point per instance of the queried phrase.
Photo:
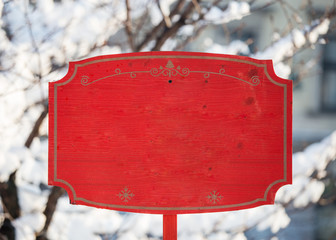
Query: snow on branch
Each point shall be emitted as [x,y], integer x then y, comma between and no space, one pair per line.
[287,45]
[234,11]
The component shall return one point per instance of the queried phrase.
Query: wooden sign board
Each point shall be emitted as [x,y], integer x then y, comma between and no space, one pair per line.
[170,132]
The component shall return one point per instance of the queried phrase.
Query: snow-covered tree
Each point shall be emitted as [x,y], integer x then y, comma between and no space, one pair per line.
[39,37]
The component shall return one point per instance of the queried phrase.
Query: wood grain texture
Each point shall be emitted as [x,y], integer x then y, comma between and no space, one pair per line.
[170,132]
[169,227]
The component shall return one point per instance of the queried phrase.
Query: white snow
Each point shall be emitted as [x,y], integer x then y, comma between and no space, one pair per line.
[239,236]
[287,45]
[5,158]
[234,47]
[219,236]
[298,38]
[320,29]
[235,11]
[276,221]
[155,15]
[28,225]
[282,70]
[186,30]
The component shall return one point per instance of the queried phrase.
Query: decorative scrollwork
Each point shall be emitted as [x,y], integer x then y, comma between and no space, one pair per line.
[206,75]
[85,80]
[255,80]
[154,72]
[185,71]
[166,73]
[171,71]
[133,74]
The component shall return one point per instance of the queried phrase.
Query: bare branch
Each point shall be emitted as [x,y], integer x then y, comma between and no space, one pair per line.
[140,24]
[191,38]
[152,34]
[289,21]
[128,26]
[262,7]
[199,29]
[165,17]
[197,6]
[36,49]
[55,194]
[9,196]
[34,132]
[168,32]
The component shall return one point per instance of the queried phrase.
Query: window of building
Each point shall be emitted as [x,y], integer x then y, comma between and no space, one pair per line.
[328,88]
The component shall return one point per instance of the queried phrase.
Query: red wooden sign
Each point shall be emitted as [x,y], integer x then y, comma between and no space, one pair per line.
[170,132]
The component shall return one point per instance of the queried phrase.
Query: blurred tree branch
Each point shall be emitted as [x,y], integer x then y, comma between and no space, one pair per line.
[154,31]
[128,26]
[9,196]
[55,194]
[35,130]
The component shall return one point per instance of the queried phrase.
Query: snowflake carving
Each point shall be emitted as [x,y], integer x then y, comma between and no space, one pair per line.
[125,195]
[214,197]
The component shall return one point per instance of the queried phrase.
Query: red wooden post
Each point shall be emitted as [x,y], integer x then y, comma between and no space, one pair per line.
[170,227]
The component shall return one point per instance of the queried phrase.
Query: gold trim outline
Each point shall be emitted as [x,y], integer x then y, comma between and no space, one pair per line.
[115,206]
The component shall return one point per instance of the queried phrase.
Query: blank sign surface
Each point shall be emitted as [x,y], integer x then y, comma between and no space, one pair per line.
[170,132]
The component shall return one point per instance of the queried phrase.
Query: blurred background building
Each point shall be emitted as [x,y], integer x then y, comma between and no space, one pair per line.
[313,68]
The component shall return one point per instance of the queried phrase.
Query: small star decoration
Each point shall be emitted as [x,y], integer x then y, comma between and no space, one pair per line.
[125,195]
[214,197]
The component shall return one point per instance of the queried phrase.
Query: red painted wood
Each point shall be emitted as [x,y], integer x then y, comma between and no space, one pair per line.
[170,227]
[170,132]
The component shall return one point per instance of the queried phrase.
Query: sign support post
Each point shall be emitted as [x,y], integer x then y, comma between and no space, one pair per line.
[170,227]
